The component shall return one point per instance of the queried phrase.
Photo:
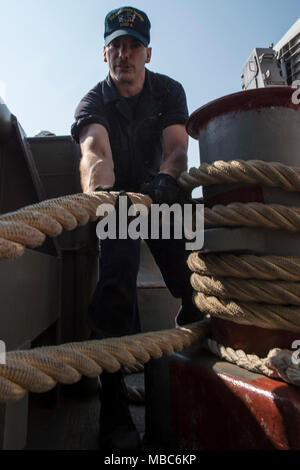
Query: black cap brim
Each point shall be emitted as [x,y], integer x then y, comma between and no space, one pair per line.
[125,32]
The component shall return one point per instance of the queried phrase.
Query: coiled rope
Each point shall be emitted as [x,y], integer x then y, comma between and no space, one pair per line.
[251,172]
[268,304]
[248,289]
[254,214]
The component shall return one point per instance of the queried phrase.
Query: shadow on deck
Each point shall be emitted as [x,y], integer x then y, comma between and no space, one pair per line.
[70,422]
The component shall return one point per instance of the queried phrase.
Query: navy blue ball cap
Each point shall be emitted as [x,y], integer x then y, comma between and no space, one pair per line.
[127,21]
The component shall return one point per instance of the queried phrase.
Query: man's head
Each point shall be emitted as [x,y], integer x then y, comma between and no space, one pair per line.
[127,21]
[126,51]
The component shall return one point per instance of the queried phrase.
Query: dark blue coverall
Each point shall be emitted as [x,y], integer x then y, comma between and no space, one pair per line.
[135,127]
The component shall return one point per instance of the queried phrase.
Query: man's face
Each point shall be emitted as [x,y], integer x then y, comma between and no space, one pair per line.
[126,58]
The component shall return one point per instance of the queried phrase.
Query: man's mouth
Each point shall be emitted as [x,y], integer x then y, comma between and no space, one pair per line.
[123,66]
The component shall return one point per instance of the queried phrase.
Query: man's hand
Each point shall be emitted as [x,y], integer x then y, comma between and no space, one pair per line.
[103,188]
[163,188]
[175,145]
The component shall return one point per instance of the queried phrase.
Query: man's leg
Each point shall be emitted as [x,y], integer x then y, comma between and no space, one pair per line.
[171,258]
[114,312]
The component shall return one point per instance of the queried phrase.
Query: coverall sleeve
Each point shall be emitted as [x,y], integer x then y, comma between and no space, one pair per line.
[90,110]
[175,109]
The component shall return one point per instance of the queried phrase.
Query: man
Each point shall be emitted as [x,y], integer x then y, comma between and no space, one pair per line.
[131,128]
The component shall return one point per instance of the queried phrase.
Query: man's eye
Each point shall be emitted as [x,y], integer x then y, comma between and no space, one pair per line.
[136,44]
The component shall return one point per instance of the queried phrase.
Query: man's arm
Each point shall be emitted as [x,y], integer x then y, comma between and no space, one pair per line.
[96,165]
[163,188]
[175,146]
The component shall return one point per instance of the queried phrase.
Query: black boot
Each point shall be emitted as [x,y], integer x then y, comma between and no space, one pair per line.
[117,430]
[186,316]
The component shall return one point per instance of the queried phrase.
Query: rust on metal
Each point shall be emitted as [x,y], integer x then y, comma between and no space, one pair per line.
[220,410]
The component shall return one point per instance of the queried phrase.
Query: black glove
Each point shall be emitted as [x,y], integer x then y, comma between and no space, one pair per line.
[163,188]
[100,188]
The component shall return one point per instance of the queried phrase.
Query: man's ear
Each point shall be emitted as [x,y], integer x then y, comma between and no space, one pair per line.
[149,54]
[104,54]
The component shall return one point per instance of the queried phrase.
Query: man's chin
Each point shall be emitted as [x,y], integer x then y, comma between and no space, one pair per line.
[124,78]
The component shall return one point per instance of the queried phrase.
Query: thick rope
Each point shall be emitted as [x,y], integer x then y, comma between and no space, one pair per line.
[240,358]
[272,174]
[251,313]
[19,232]
[250,290]
[39,370]
[246,266]
[254,214]
[278,364]
[28,227]
[10,250]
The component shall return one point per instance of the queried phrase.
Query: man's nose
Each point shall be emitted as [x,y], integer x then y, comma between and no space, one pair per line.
[123,51]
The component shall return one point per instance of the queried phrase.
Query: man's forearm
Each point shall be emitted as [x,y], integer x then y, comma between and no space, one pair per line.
[174,164]
[96,165]
[96,171]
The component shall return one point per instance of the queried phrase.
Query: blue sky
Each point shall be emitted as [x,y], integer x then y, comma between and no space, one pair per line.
[51,51]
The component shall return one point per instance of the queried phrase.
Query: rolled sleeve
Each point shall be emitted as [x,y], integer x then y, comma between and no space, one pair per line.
[84,121]
[90,110]
[175,110]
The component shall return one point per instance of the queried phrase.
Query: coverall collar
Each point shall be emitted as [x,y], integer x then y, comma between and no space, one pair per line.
[110,92]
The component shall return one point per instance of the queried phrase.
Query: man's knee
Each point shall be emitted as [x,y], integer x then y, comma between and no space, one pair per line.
[121,254]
